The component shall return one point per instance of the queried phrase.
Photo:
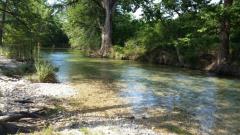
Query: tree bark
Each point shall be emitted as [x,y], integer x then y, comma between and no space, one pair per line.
[2,21]
[106,29]
[179,56]
[223,55]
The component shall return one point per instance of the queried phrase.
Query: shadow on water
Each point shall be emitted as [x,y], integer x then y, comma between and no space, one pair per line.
[178,100]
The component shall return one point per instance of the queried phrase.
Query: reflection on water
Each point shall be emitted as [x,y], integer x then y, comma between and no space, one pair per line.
[208,104]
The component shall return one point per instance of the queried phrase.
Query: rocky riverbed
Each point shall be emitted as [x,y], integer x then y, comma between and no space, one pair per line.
[53,103]
[18,95]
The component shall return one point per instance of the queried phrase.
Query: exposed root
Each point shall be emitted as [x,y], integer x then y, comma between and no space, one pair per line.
[224,69]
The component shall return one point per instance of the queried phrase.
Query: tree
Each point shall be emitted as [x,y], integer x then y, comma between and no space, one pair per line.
[223,56]
[4,6]
[101,14]
[106,28]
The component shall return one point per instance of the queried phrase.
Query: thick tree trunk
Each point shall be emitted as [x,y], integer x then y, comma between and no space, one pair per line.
[2,21]
[223,55]
[223,64]
[107,28]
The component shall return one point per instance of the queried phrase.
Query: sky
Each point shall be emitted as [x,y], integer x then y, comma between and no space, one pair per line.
[51,1]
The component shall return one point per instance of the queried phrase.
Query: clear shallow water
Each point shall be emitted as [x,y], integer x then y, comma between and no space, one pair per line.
[179,100]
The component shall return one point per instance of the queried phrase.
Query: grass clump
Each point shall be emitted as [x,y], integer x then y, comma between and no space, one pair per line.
[46,131]
[87,131]
[45,72]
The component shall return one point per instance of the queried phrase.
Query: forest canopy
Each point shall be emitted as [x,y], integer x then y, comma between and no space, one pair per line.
[195,34]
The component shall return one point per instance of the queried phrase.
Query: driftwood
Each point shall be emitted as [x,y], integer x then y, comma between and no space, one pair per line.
[17,116]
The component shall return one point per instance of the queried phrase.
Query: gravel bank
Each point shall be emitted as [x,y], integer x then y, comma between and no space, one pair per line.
[14,91]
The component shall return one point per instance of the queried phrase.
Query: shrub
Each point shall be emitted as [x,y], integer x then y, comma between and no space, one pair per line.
[45,71]
[133,49]
[117,52]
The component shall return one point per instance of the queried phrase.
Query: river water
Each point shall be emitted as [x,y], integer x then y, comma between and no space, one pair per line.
[186,101]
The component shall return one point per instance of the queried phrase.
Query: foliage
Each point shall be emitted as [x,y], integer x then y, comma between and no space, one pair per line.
[124,28]
[46,131]
[183,30]
[81,25]
[85,19]
[45,71]
[132,50]
[20,52]
[32,21]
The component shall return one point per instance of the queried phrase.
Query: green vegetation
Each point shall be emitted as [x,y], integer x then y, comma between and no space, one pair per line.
[45,71]
[194,34]
[27,24]
[87,131]
[20,52]
[46,131]
[131,51]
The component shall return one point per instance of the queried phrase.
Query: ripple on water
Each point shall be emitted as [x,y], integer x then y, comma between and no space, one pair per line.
[187,100]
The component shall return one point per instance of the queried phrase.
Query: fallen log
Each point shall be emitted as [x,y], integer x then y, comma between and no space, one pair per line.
[17,116]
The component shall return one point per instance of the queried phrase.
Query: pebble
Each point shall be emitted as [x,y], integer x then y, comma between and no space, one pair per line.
[19,95]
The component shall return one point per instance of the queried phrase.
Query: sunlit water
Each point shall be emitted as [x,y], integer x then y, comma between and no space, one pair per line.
[209,104]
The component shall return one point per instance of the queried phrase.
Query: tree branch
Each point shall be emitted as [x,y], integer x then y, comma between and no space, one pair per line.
[16,17]
[98,3]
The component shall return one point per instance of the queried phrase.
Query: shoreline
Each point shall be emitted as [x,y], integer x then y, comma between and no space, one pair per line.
[54,102]
[226,71]
[18,95]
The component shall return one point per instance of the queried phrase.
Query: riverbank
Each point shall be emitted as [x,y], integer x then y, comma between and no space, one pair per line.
[63,108]
[18,96]
[171,56]
[127,96]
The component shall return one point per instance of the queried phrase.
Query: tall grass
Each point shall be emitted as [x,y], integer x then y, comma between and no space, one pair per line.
[45,71]
[45,131]
[20,52]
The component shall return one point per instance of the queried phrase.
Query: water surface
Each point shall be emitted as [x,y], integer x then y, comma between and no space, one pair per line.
[180,100]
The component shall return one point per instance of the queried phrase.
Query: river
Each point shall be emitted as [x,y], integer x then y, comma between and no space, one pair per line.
[180,100]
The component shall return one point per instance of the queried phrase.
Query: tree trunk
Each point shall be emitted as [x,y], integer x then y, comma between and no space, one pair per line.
[223,55]
[2,21]
[179,56]
[107,28]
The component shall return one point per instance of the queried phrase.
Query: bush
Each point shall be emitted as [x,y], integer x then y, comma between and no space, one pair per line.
[117,52]
[133,49]
[45,71]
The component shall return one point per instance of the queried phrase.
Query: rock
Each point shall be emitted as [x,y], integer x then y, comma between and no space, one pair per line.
[145,116]
[131,117]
